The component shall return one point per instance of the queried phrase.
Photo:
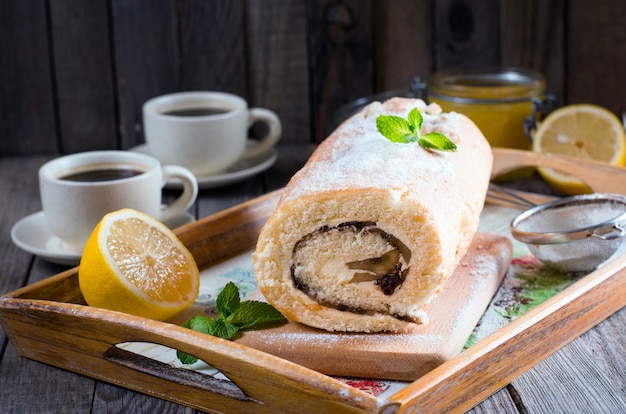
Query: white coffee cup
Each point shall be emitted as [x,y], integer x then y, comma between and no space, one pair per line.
[206,132]
[77,190]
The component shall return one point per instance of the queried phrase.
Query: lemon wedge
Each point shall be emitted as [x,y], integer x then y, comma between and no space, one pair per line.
[134,264]
[582,131]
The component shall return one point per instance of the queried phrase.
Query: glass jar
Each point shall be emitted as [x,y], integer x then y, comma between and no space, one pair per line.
[499,101]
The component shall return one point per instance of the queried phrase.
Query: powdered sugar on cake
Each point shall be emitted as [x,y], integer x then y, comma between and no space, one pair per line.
[368,153]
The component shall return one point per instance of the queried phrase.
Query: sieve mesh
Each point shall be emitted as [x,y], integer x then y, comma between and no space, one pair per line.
[575,256]
[573,234]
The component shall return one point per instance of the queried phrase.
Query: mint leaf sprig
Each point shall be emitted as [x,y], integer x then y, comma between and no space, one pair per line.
[397,129]
[233,315]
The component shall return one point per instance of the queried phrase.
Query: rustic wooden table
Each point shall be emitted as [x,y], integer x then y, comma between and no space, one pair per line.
[586,376]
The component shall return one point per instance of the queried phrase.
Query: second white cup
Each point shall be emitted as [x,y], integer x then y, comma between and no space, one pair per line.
[206,132]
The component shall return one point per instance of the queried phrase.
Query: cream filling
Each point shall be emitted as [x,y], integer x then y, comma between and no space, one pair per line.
[352,267]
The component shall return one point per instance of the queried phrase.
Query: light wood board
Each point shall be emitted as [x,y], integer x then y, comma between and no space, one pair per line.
[453,315]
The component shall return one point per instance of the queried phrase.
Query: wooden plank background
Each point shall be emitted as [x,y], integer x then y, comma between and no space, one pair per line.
[74,73]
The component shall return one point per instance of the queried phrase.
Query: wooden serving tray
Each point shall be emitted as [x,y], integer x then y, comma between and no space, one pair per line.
[49,322]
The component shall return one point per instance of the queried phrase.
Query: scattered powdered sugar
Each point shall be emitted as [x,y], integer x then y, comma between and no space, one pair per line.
[297,338]
[484,266]
[329,340]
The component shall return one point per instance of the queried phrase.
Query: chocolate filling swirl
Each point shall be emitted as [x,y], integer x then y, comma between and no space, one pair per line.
[387,271]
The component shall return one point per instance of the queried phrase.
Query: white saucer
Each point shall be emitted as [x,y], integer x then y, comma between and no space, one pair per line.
[243,169]
[31,234]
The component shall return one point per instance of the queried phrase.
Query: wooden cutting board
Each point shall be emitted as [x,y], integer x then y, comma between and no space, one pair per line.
[403,356]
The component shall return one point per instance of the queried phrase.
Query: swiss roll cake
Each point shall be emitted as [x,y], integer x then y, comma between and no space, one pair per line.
[366,234]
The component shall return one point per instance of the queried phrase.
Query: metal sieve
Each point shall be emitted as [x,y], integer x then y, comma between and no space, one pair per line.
[573,234]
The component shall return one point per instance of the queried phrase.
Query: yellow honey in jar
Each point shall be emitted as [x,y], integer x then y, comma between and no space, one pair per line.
[498,100]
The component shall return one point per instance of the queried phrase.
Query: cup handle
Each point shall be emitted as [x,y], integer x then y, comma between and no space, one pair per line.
[187,198]
[258,147]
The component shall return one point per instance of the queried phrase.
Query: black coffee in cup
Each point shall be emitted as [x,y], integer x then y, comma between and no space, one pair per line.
[201,111]
[102,174]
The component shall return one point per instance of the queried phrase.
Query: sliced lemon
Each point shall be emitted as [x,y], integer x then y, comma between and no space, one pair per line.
[134,264]
[583,131]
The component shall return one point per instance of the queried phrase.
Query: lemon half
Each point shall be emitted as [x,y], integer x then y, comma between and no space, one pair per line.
[583,131]
[134,264]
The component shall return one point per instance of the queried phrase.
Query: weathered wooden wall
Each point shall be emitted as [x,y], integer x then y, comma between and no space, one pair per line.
[74,73]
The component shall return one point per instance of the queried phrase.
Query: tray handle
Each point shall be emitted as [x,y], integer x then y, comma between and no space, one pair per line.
[180,376]
[261,382]
[599,176]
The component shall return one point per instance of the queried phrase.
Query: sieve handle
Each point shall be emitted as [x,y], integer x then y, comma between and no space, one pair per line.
[615,233]
[515,198]
[599,176]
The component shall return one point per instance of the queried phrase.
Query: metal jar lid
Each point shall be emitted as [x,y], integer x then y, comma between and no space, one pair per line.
[489,85]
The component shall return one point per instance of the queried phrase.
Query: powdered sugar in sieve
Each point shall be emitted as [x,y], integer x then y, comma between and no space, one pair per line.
[573,234]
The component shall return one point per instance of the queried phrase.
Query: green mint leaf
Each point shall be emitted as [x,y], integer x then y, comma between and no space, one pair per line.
[233,315]
[197,323]
[186,358]
[397,129]
[394,128]
[415,121]
[200,324]
[225,329]
[228,300]
[437,141]
[252,313]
